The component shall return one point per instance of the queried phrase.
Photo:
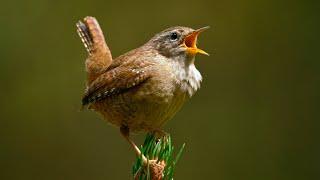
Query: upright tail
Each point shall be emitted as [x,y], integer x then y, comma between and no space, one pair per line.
[93,39]
[85,36]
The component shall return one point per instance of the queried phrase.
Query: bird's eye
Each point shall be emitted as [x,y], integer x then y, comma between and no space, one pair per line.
[173,36]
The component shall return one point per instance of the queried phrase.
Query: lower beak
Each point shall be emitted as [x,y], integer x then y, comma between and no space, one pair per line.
[191,42]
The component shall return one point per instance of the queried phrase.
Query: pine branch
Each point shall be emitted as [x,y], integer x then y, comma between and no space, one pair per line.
[161,161]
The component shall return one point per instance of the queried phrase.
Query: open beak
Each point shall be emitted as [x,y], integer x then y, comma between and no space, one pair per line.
[191,42]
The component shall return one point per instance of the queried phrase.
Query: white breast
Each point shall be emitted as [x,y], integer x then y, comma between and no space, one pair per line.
[188,77]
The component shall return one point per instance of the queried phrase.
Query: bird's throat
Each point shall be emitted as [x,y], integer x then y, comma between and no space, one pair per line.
[188,77]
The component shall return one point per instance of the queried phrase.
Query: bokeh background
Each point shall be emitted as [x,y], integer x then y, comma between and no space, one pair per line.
[256,116]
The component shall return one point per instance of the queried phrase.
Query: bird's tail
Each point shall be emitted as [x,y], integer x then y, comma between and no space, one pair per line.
[85,36]
[93,39]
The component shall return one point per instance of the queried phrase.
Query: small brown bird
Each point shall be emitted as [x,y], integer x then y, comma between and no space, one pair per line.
[144,88]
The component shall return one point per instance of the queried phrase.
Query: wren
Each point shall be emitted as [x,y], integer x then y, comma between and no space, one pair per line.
[145,87]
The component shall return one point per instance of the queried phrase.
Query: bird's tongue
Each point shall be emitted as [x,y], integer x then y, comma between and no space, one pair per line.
[191,42]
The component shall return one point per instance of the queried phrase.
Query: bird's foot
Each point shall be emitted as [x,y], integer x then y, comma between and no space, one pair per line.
[159,133]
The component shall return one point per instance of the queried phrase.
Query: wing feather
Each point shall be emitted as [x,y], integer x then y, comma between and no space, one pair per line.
[114,82]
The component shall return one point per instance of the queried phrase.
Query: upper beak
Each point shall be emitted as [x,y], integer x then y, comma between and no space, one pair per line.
[191,42]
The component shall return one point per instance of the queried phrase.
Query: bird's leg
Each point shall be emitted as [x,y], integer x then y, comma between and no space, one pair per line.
[126,133]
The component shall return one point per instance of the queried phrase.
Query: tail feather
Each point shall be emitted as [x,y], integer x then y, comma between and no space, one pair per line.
[85,36]
[100,57]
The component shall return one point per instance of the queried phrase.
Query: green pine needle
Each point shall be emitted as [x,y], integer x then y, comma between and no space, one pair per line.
[160,150]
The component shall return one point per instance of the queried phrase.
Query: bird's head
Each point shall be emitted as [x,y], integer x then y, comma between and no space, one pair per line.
[177,41]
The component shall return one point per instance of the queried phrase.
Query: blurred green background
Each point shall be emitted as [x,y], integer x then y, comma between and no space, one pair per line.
[256,116]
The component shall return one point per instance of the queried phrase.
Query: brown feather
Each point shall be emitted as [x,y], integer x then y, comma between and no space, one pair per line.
[114,82]
[93,39]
